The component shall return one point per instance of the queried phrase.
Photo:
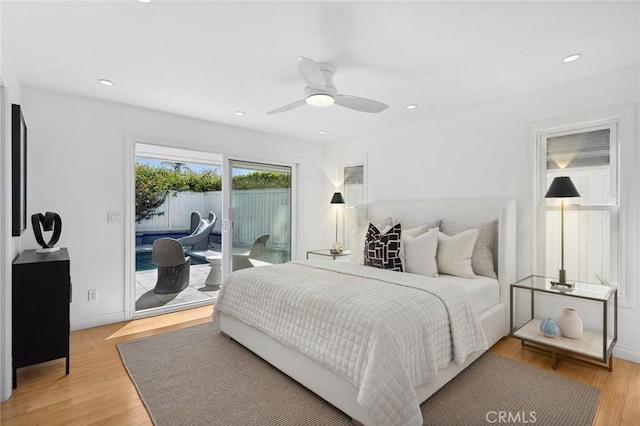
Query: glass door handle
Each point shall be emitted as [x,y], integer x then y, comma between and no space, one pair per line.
[227,225]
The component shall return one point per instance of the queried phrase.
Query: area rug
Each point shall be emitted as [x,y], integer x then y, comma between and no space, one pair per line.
[196,376]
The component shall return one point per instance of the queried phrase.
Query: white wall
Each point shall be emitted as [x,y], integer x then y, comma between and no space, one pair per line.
[9,246]
[488,152]
[6,246]
[76,167]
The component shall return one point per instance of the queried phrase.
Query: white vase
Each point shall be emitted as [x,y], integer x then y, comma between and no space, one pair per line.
[570,324]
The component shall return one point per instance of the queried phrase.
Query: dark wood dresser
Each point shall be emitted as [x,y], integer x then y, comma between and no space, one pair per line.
[41,295]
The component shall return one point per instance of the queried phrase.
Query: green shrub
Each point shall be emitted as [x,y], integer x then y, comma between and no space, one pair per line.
[261,180]
[154,184]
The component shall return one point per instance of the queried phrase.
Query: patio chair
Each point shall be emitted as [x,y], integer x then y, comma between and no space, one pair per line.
[173,266]
[250,259]
[200,230]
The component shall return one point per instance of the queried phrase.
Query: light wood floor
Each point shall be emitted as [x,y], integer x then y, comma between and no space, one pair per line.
[98,390]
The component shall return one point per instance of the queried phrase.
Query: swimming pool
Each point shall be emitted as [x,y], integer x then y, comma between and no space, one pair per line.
[143,261]
[144,243]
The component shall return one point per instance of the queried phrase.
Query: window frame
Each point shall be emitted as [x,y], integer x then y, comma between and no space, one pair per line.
[624,157]
[342,163]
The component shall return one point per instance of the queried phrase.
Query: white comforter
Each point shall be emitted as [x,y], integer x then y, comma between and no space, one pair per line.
[386,332]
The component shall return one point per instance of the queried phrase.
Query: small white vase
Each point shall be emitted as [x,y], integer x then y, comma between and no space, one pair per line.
[570,324]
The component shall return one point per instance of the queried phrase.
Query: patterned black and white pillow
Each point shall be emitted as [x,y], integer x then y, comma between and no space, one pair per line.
[383,250]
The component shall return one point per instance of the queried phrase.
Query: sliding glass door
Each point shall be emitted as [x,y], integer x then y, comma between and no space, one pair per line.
[246,206]
[178,196]
[257,227]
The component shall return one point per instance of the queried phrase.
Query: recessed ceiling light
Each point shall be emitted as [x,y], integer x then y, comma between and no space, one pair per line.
[144,1]
[572,58]
[411,106]
[323,132]
[105,82]
[239,113]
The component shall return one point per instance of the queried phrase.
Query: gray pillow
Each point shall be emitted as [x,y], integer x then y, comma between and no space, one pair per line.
[482,257]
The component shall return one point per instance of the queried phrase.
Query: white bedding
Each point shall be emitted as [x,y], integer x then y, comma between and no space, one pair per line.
[359,322]
[484,292]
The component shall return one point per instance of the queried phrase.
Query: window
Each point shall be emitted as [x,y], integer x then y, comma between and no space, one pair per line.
[588,155]
[353,185]
[352,175]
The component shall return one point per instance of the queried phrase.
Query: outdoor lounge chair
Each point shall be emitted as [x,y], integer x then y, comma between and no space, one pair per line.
[249,259]
[200,230]
[173,266]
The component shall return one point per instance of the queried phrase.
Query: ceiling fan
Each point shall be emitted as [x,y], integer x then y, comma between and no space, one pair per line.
[320,91]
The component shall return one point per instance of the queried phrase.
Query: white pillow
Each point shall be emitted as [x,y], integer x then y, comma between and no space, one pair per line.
[358,237]
[418,230]
[420,253]
[410,233]
[414,232]
[454,253]
[482,256]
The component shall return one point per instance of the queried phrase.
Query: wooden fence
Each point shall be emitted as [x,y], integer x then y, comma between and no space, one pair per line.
[255,212]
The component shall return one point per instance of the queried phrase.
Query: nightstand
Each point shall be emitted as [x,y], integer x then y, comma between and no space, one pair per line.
[41,294]
[328,253]
[593,347]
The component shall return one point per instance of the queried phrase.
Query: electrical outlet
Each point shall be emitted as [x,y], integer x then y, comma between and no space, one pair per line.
[93,295]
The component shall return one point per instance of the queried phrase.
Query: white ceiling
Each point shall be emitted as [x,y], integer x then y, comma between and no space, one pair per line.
[209,59]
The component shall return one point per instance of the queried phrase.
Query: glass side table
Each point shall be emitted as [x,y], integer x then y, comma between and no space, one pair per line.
[328,253]
[593,347]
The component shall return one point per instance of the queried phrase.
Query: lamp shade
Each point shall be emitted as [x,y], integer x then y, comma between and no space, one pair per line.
[562,187]
[337,198]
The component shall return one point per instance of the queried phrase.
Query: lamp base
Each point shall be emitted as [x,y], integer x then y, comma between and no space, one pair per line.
[562,287]
[336,248]
[562,283]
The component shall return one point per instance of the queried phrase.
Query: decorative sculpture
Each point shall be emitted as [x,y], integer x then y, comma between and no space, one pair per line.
[549,328]
[48,221]
[200,230]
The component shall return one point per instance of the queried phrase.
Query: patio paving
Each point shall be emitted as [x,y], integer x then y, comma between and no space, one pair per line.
[196,291]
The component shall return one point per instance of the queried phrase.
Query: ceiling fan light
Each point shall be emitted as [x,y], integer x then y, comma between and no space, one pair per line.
[320,100]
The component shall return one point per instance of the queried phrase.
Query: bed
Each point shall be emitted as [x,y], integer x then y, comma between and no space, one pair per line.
[348,344]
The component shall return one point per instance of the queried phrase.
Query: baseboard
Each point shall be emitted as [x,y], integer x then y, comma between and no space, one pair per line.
[627,353]
[97,321]
[173,308]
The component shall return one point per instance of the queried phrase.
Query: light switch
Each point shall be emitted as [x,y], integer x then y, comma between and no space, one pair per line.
[114,217]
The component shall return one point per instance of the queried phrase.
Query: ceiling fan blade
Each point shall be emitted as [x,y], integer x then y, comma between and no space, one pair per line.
[311,73]
[287,107]
[360,104]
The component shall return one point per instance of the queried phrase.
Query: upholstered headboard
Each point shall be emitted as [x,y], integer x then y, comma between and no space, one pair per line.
[415,212]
